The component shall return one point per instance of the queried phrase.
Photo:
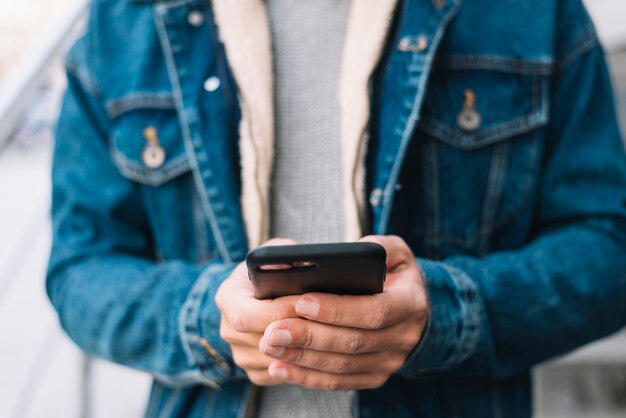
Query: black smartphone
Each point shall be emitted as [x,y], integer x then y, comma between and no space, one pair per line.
[355,268]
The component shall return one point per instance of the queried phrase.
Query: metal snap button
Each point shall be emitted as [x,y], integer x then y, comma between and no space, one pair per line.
[212,83]
[469,118]
[195,18]
[153,154]
[418,44]
[376,197]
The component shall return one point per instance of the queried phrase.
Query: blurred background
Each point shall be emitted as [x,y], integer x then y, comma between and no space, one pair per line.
[41,372]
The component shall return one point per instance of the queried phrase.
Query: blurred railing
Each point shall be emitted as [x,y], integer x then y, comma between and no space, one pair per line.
[29,72]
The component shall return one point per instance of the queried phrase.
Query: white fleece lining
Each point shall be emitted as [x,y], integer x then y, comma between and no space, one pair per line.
[245,31]
[368,25]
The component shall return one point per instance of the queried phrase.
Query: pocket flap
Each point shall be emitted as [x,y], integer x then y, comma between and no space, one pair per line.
[469,109]
[137,129]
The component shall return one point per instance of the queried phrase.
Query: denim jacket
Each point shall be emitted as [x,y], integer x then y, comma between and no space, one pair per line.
[494,152]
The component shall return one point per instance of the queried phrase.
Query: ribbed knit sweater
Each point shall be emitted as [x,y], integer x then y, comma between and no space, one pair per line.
[306,205]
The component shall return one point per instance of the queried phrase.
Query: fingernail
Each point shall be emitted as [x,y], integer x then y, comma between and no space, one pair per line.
[277,371]
[307,307]
[273,350]
[280,337]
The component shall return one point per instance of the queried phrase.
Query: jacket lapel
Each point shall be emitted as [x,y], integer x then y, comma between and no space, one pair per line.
[422,25]
[192,57]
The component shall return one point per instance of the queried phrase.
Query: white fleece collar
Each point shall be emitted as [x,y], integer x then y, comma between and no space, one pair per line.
[245,31]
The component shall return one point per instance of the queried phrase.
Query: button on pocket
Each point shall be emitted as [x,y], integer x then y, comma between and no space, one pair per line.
[147,145]
[469,119]
[470,109]
[153,155]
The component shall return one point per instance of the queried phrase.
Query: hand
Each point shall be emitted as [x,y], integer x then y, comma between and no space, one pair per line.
[352,342]
[244,318]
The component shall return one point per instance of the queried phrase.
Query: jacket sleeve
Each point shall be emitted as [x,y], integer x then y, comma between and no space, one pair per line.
[500,315]
[112,297]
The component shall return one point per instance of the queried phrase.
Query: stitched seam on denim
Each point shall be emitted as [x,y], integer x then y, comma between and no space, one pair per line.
[436,195]
[492,135]
[148,176]
[492,62]
[155,400]
[200,232]
[414,117]
[189,315]
[161,101]
[543,86]
[536,117]
[168,408]
[585,43]
[493,193]
[208,408]
[85,79]
[527,184]
[199,181]
[470,315]
[244,402]
[186,378]
[168,4]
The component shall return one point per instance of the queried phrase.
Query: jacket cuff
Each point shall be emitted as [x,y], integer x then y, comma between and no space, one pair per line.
[453,328]
[199,324]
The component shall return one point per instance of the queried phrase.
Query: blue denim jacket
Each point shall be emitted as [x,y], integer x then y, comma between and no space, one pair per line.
[494,152]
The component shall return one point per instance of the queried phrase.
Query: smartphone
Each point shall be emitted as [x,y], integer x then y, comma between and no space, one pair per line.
[355,268]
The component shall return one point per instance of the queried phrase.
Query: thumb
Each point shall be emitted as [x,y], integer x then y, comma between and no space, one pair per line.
[399,255]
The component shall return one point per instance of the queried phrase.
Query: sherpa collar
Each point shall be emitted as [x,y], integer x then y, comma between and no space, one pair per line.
[245,31]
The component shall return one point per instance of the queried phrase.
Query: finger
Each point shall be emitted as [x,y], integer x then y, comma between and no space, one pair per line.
[316,379]
[398,252]
[380,362]
[232,336]
[367,312]
[263,378]
[251,315]
[300,333]
[250,359]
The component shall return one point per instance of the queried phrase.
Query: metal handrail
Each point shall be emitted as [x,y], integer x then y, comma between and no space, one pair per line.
[29,73]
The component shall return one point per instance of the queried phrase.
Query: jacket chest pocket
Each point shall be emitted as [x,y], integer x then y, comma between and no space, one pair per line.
[478,149]
[147,147]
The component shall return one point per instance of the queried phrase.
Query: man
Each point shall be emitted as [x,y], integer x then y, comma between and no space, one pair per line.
[484,134]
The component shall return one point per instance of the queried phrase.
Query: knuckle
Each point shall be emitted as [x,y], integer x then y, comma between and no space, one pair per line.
[354,343]
[240,360]
[237,322]
[225,333]
[332,385]
[343,364]
[308,339]
[336,314]
[395,363]
[298,356]
[409,341]
[304,380]
[379,380]
[379,316]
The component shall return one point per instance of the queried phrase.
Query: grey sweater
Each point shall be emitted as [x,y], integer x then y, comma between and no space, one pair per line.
[306,205]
